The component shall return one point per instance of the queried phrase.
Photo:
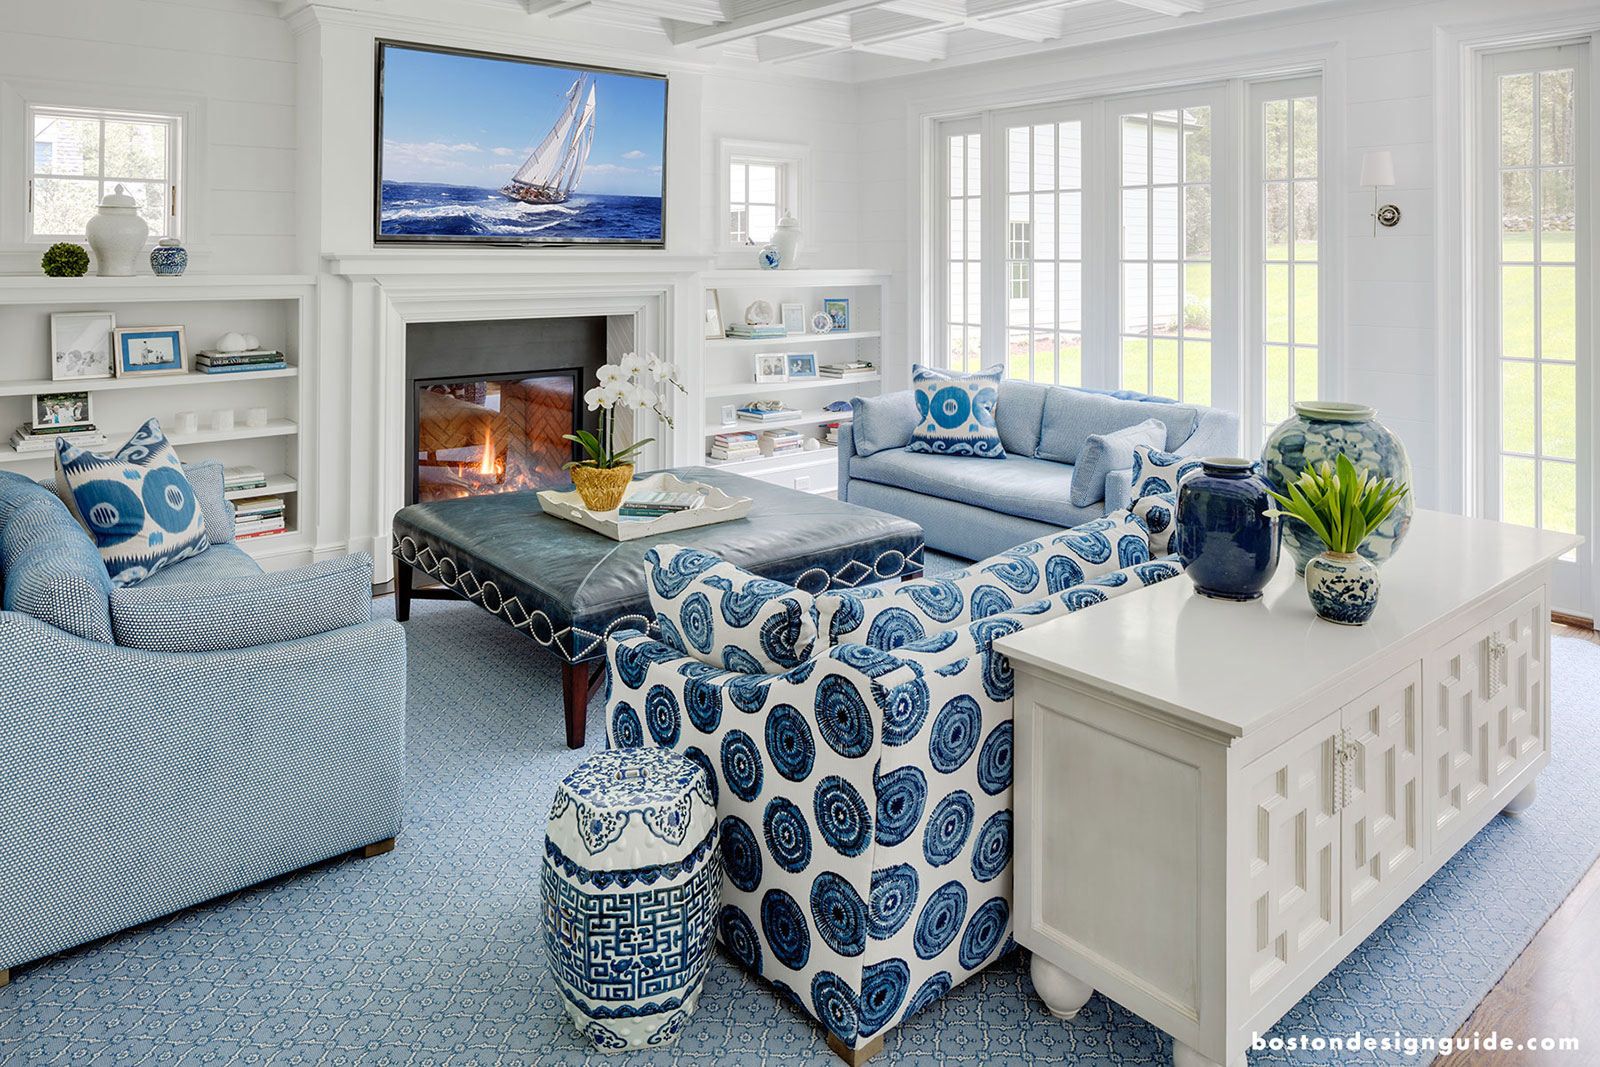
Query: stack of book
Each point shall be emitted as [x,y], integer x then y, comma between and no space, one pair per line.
[642,507]
[43,439]
[830,433]
[257,516]
[728,446]
[782,442]
[207,362]
[759,415]
[858,368]
[750,330]
[235,479]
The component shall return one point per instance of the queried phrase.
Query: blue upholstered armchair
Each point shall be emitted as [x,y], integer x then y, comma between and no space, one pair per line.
[860,751]
[168,742]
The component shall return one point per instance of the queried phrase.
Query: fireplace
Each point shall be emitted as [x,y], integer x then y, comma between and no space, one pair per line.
[489,401]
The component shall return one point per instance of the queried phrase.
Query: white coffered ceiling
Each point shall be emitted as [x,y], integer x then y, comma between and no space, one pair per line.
[900,34]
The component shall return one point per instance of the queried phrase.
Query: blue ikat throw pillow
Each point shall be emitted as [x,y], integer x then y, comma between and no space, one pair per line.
[135,503]
[956,414]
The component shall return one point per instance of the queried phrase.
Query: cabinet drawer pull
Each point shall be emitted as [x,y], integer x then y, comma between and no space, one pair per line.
[1499,659]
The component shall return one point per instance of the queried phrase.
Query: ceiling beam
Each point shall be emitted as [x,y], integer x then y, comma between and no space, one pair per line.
[784,15]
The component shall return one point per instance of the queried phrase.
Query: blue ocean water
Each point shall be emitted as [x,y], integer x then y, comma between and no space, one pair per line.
[424,208]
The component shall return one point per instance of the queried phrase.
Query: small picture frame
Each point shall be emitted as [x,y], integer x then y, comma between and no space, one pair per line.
[794,318]
[802,365]
[57,412]
[730,414]
[151,350]
[838,310]
[772,367]
[80,345]
[713,316]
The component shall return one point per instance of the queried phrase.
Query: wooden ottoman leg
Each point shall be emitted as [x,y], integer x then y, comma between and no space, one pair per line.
[575,695]
[402,591]
[855,1057]
[5,977]
[377,848]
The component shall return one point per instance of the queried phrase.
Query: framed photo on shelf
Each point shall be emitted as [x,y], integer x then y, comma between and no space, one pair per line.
[802,365]
[772,367]
[80,345]
[838,310]
[151,350]
[713,316]
[55,412]
[730,414]
[794,318]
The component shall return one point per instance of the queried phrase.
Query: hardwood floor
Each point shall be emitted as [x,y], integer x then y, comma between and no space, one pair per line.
[1552,988]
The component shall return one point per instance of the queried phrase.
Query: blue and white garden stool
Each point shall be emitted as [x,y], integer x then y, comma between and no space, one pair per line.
[632,876]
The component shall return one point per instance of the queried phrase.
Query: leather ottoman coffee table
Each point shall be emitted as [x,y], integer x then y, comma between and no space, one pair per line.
[567,587]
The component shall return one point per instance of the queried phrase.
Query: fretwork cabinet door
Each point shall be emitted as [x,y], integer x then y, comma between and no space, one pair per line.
[1293,878]
[1490,713]
[1379,782]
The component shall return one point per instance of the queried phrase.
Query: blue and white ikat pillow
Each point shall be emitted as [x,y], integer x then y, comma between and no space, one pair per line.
[725,616]
[1155,471]
[136,504]
[955,414]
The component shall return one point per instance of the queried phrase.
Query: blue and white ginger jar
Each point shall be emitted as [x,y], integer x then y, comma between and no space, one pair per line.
[169,258]
[632,879]
[1343,587]
[1318,432]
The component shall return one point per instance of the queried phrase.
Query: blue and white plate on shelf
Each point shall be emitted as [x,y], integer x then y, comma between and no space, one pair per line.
[822,322]
[769,257]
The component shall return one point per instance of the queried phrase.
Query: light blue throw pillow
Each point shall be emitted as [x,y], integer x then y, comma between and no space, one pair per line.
[956,414]
[136,503]
[1103,453]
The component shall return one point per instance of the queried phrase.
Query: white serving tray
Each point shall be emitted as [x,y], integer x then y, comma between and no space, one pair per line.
[719,507]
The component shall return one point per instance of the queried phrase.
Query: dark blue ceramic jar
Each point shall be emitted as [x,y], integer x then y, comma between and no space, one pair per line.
[1226,539]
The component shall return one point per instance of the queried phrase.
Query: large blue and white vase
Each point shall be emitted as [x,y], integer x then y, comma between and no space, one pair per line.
[1320,431]
[1226,539]
[632,879]
[1343,587]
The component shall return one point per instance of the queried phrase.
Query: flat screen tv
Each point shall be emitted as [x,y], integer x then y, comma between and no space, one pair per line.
[475,148]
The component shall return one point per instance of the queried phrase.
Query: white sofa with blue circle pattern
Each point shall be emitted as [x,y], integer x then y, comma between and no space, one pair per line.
[865,792]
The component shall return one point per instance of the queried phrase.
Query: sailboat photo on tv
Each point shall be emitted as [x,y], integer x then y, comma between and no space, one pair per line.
[476,148]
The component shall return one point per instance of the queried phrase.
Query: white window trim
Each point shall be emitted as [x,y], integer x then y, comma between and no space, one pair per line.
[18,254]
[794,195]
[177,191]
[1329,368]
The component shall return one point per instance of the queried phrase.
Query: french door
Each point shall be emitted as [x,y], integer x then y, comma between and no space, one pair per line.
[1536,444]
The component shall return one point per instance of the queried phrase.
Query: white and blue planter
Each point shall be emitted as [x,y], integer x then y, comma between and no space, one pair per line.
[1319,432]
[1343,587]
[632,880]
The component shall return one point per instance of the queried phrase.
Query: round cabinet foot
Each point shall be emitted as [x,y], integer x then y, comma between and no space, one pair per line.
[1523,800]
[1184,1056]
[1063,994]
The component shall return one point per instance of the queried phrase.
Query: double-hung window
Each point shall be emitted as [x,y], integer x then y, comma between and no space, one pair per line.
[77,156]
[1099,243]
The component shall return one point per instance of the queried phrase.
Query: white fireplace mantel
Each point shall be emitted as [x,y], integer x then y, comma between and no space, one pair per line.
[649,303]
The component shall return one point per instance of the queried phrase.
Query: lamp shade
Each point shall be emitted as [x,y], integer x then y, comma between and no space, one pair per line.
[1377,168]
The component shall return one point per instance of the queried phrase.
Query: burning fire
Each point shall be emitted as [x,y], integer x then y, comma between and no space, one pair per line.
[487,465]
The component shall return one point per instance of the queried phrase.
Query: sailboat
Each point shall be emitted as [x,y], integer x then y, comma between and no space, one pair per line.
[556,166]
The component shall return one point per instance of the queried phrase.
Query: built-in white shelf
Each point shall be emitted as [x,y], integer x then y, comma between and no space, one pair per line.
[28,387]
[792,339]
[277,485]
[273,428]
[743,388]
[818,277]
[776,463]
[38,289]
[815,417]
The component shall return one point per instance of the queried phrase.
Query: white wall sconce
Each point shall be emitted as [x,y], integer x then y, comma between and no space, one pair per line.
[1377,172]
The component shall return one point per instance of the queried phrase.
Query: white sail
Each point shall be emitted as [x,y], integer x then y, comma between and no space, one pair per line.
[549,159]
[581,144]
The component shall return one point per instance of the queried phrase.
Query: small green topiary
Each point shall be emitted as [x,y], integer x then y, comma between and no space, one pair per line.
[65,260]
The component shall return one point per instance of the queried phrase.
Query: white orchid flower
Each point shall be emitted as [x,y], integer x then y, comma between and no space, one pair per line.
[641,399]
[631,364]
[609,373]
[594,398]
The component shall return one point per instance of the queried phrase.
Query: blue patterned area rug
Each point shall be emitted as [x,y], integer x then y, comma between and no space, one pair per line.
[432,954]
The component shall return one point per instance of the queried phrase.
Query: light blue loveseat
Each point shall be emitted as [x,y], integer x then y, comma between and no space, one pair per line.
[975,508]
[136,781]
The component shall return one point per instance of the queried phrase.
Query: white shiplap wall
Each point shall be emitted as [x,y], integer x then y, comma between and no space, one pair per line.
[1380,85]
[232,61]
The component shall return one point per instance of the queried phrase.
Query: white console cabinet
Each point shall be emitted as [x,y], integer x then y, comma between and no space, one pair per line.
[1217,802]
